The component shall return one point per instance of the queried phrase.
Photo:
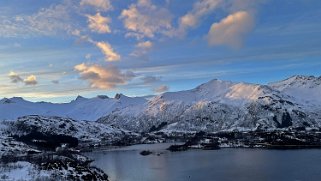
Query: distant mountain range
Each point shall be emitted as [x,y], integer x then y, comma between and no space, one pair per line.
[213,106]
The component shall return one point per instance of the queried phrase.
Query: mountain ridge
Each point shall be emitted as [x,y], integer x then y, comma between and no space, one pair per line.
[212,106]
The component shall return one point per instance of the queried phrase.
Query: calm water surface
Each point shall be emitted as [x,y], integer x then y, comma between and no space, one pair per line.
[126,164]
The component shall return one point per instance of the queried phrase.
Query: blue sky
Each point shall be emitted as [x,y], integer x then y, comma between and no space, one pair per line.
[56,50]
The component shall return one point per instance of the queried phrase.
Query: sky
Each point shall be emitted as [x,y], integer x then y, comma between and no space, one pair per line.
[55,50]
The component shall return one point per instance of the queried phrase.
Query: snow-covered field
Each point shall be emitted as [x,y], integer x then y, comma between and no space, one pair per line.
[21,171]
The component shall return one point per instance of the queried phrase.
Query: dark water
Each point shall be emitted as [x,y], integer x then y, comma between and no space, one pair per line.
[127,164]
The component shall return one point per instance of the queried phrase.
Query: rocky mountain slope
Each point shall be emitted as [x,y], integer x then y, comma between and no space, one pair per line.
[48,131]
[49,148]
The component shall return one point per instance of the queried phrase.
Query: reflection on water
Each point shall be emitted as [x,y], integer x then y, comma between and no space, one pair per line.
[126,164]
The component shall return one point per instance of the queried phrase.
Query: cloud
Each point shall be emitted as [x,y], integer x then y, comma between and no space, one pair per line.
[82,38]
[47,21]
[105,47]
[150,79]
[103,77]
[160,89]
[108,51]
[55,81]
[193,17]
[203,8]
[53,19]
[60,18]
[145,45]
[31,80]
[200,8]
[88,56]
[103,5]
[14,77]
[145,19]
[142,48]
[231,30]
[98,23]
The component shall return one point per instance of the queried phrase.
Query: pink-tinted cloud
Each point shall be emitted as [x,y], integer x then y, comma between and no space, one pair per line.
[231,30]
[107,77]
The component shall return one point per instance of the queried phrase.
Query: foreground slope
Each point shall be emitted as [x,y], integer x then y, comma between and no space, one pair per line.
[48,148]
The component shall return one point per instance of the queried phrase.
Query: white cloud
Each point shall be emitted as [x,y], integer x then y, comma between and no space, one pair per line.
[47,21]
[103,77]
[30,80]
[204,8]
[98,23]
[193,17]
[85,38]
[144,19]
[14,77]
[142,48]
[160,89]
[105,47]
[103,5]
[231,30]
[108,51]
[145,45]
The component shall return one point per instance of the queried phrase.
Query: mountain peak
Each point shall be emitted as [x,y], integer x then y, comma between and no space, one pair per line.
[306,89]
[215,84]
[302,77]
[12,100]
[297,81]
[119,95]
[17,99]
[5,101]
[78,98]
[102,97]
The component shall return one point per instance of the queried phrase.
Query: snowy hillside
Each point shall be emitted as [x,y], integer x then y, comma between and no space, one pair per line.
[79,109]
[219,105]
[87,133]
[84,131]
[48,148]
[304,89]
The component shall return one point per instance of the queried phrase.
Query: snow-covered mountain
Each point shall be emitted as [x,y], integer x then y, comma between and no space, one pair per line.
[212,106]
[304,89]
[221,105]
[79,109]
[86,132]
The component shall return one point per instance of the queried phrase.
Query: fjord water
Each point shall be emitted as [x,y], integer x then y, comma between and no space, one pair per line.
[126,164]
